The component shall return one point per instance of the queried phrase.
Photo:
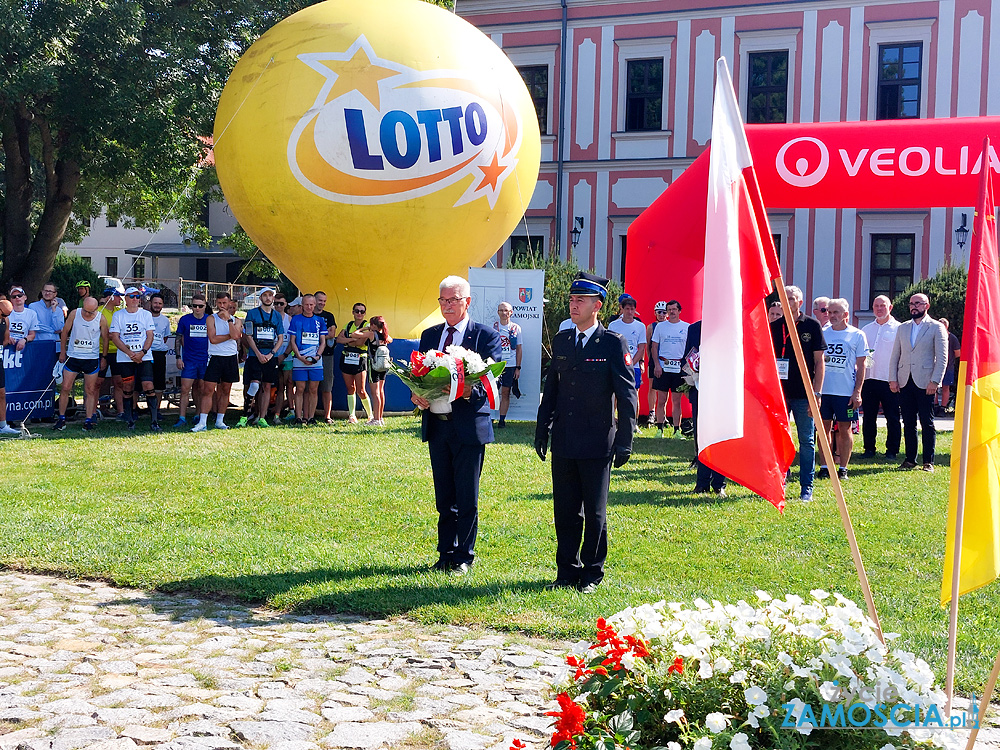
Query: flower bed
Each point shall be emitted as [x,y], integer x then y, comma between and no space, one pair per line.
[785,674]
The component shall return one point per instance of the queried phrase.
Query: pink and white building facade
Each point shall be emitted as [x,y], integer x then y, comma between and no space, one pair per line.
[624,95]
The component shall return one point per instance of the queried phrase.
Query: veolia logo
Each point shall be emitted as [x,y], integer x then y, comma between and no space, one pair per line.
[381,132]
[803,176]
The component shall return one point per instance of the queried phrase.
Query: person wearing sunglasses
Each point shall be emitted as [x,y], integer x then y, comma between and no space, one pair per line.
[223,369]
[22,323]
[5,429]
[51,317]
[354,361]
[329,362]
[821,311]
[285,397]
[192,353]
[132,332]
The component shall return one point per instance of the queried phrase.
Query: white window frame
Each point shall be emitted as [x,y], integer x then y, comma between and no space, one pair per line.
[780,224]
[768,40]
[889,223]
[619,229]
[543,54]
[642,49]
[895,32]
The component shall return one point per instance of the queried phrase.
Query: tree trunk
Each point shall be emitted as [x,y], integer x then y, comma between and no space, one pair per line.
[14,128]
[51,226]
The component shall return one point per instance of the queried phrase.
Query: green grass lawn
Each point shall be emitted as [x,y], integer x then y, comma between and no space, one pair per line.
[342,520]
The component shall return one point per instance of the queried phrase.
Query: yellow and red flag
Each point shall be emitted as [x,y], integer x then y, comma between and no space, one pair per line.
[979,384]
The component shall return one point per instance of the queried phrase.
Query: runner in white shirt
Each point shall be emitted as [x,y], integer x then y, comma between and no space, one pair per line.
[511,348]
[22,323]
[132,332]
[667,352]
[844,365]
[634,333]
[84,347]
[161,332]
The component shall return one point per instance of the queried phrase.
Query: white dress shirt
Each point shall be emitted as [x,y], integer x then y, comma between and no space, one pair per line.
[456,339]
[586,334]
[880,339]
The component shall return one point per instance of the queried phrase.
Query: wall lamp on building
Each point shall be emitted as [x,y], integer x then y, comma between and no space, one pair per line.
[962,233]
[577,230]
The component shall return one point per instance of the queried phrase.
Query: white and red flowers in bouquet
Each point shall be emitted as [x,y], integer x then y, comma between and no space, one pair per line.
[440,377]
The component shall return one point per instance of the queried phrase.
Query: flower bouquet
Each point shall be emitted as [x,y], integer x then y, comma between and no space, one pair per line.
[440,377]
[736,677]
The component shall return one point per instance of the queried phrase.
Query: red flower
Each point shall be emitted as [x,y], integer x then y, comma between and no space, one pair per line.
[517,745]
[417,367]
[581,666]
[677,666]
[569,720]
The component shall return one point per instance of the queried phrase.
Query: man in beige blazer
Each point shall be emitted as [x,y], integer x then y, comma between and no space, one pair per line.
[916,369]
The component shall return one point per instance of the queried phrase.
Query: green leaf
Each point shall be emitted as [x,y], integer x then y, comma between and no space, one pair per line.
[621,723]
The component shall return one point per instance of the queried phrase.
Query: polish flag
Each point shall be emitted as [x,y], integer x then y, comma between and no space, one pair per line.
[742,420]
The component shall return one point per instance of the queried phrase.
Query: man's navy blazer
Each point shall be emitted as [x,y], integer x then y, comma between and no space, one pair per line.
[470,417]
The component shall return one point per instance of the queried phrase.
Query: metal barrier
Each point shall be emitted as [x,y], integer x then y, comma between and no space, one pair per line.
[241,293]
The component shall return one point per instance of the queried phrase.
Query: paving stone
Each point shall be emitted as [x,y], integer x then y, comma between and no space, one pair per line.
[146,735]
[71,739]
[338,713]
[285,716]
[465,740]
[370,735]
[269,732]
[122,743]
[121,717]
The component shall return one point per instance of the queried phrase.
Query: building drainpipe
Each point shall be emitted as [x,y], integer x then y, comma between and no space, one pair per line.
[562,128]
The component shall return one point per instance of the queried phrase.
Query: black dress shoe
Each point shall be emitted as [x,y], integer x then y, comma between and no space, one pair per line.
[560,583]
[442,565]
[460,569]
[587,588]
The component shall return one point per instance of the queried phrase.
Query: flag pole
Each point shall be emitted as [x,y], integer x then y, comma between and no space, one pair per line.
[984,703]
[956,562]
[838,490]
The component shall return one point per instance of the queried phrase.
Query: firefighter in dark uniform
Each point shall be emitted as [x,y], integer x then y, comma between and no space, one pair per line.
[591,373]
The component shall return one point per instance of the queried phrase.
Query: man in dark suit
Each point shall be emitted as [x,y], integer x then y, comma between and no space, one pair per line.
[456,433]
[591,373]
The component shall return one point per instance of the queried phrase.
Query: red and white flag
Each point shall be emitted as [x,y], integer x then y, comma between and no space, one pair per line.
[742,419]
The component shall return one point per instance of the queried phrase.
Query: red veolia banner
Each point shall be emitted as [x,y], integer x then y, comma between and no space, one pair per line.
[873,164]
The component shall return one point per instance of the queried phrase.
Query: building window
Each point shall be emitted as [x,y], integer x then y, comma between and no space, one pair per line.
[86,222]
[87,259]
[536,78]
[139,269]
[899,80]
[112,223]
[767,87]
[621,275]
[522,248]
[644,94]
[111,267]
[892,264]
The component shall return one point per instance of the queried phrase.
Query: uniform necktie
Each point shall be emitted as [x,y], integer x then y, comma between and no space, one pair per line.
[450,337]
[579,342]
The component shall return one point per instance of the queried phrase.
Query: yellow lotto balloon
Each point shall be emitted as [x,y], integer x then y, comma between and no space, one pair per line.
[372,148]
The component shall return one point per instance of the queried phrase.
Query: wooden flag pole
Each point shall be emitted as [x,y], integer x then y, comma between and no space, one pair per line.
[956,558]
[845,516]
[984,703]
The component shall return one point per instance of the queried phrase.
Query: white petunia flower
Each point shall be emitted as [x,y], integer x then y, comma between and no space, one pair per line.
[763,595]
[887,746]
[819,594]
[703,743]
[755,695]
[723,665]
[785,659]
[829,691]
[705,669]
[715,722]
[673,746]
[674,716]
[738,677]
[739,742]
[805,728]
[760,712]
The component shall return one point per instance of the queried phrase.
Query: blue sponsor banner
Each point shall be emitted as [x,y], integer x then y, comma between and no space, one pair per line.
[28,374]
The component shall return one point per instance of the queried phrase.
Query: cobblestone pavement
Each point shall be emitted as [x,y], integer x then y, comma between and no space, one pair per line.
[86,665]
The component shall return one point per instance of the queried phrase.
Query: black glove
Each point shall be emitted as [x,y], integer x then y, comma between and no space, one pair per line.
[541,445]
[621,457]
[515,390]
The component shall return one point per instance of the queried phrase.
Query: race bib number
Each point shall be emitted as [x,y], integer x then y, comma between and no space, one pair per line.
[265,333]
[671,365]
[352,358]
[135,346]
[83,344]
[310,339]
[783,369]
[199,332]
[16,326]
[836,357]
